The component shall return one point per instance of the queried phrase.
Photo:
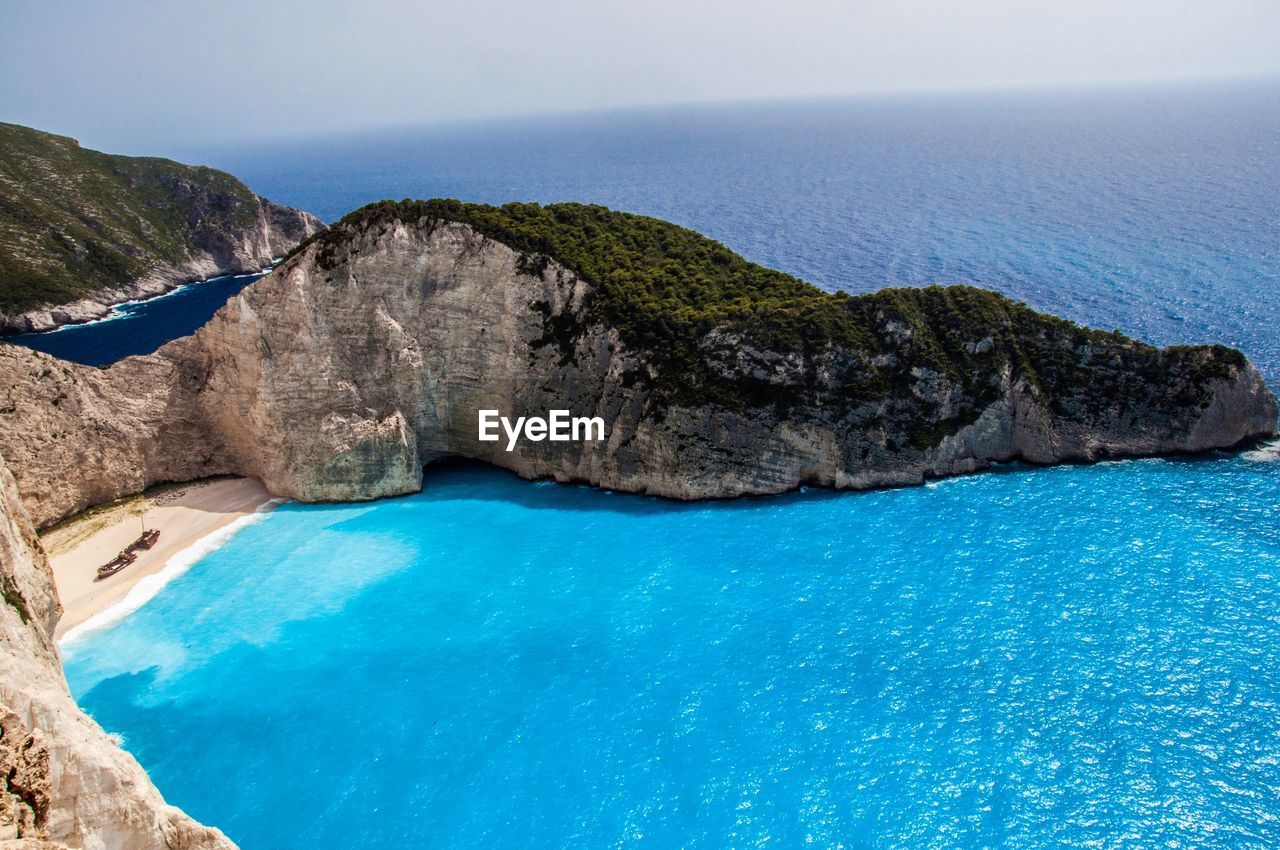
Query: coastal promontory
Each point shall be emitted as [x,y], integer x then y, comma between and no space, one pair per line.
[368,353]
[81,230]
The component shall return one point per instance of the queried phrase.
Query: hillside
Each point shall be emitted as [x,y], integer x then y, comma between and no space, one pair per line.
[77,224]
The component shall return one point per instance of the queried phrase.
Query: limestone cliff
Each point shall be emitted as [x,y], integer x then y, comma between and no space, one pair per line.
[65,780]
[368,353]
[81,230]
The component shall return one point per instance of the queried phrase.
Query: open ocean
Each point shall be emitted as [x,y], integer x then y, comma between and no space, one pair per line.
[1079,656]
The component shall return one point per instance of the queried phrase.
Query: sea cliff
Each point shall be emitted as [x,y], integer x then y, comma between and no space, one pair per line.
[367,354]
[64,780]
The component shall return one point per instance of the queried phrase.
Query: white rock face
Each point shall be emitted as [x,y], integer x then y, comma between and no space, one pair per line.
[67,782]
[341,383]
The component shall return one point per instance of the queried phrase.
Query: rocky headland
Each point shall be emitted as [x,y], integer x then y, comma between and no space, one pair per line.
[82,230]
[368,352]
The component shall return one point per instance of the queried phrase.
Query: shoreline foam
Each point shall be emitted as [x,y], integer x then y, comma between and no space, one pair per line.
[1265,453]
[193,519]
[150,584]
[116,312]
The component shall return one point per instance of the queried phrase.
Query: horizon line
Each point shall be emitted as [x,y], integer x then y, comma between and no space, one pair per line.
[1052,87]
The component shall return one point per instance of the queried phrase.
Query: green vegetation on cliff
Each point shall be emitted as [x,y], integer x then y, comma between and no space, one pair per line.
[666,289]
[73,220]
[660,284]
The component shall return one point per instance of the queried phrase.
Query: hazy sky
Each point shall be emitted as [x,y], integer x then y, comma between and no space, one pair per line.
[136,76]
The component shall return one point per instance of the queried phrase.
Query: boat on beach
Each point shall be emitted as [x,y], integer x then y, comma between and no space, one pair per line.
[146,540]
[129,554]
[116,564]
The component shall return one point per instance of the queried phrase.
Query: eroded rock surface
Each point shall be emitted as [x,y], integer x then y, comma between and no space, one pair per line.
[339,377]
[66,783]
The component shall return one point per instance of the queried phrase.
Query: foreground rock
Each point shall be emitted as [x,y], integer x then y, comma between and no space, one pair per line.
[82,230]
[368,354]
[65,780]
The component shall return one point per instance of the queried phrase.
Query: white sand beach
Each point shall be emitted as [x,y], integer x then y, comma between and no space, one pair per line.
[184,513]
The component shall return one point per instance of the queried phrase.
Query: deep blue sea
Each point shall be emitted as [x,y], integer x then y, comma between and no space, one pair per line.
[138,327]
[1079,656]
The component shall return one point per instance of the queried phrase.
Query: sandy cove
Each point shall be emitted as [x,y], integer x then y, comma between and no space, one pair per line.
[184,513]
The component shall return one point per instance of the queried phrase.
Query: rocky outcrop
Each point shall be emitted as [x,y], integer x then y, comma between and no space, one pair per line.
[65,781]
[360,360]
[276,230]
[81,230]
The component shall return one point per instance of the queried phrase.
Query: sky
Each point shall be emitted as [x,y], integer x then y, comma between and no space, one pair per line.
[139,76]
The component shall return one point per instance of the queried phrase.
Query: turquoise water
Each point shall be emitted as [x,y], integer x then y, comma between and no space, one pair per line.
[1084,656]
